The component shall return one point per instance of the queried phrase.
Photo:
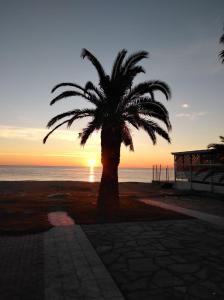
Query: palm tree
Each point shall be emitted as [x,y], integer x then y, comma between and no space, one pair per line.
[117,104]
[219,147]
[221,53]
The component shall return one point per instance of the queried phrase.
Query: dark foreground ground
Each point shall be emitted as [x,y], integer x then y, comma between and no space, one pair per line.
[163,259]
[158,254]
[25,206]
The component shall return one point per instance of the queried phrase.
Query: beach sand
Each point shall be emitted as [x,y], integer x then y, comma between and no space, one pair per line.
[27,206]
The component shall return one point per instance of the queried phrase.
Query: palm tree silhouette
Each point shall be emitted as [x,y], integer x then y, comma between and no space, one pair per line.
[219,147]
[118,104]
[221,53]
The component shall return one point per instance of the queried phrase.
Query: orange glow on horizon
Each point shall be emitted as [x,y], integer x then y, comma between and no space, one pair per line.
[126,161]
[70,154]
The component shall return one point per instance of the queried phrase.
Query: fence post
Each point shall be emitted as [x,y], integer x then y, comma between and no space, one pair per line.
[153,173]
[159,172]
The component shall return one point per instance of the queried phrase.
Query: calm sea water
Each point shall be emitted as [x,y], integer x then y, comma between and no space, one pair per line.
[75,173]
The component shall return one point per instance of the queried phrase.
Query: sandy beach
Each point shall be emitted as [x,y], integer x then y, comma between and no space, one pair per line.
[26,205]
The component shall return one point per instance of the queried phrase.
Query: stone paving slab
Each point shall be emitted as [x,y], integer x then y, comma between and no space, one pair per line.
[73,270]
[175,259]
[213,219]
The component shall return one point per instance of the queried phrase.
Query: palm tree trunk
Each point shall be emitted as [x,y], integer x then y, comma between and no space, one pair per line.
[108,197]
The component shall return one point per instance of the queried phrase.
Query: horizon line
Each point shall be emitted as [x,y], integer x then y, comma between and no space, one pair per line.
[87,167]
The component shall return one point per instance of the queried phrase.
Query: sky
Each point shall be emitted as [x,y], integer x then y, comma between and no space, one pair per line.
[41,43]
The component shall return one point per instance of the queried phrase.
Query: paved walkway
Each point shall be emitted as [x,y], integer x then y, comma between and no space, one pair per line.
[163,260]
[158,260]
[202,203]
[73,270]
[213,219]
[59,264]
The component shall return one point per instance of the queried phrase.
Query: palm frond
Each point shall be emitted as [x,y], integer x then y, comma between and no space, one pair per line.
[221,41]
[118,63]
[75,112]
[132,120]
[149,108]
[56,127]
[67,94]
[151,128]
[160,131]
[162,118]
[70,122]
[221,56]
[91,87]
[146,104]
[151,132]
[155,109]
[130,76]
[86,132]
[126,137]
[96,63]
[150,86]
[133,59]
[67,84]
[136,70]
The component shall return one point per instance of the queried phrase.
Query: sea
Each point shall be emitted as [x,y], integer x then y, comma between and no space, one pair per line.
[89,174]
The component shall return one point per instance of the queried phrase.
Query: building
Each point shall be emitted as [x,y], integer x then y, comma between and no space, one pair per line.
[199,170]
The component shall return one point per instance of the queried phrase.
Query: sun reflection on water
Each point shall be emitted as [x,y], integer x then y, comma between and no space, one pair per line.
[91,174]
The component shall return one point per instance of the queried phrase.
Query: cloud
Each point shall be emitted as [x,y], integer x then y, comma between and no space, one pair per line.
[35,134]
[193,115]
[185,105]
[27,133]
[183,115]
[73,155]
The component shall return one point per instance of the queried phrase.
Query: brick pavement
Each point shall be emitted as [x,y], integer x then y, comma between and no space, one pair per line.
[21,267]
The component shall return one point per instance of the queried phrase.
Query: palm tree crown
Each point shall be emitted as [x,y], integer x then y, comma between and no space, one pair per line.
[117,103]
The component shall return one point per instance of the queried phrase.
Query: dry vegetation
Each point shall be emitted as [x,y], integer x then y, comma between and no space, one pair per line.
[25,205]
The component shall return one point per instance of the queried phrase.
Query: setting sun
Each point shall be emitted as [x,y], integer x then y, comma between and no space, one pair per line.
[91,162]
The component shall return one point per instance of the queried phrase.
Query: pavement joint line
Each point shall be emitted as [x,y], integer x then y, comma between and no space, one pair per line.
[212,219]
[70,257]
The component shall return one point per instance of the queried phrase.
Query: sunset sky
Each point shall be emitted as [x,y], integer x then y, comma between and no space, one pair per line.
[41,42]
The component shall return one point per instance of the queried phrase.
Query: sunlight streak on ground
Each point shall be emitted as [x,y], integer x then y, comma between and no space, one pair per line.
[60,218]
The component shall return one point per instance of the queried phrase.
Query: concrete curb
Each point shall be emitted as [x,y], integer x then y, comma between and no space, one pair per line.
[212,219]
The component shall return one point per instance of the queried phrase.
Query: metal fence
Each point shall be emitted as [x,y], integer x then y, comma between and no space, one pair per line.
[160,173]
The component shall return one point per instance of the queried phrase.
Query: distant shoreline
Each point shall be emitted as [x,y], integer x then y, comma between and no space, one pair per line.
[86,174]
[67,182]
[86,167]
